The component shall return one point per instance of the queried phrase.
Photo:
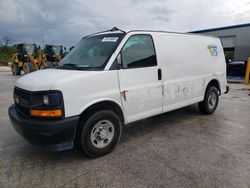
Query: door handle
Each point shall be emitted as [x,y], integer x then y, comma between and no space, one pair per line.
[159,74]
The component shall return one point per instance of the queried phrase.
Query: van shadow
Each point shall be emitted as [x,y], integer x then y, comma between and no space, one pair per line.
[165,120]
[140,128]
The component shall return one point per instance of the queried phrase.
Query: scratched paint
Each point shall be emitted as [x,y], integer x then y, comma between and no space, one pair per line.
[183,89]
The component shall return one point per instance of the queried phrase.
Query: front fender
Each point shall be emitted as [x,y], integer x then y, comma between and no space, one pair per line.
[103,100]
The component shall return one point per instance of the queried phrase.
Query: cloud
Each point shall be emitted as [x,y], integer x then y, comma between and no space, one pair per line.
[66,22]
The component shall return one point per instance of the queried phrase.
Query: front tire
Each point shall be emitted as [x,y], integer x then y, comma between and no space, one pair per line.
[16,70]
[100,133]
[210,102]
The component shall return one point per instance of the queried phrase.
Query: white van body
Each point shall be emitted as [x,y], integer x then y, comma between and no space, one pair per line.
[185,67]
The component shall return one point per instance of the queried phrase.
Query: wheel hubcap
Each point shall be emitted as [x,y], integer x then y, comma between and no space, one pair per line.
[102,134]
[212,100]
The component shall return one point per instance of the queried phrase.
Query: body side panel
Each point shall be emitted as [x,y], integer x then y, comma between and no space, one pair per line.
[187,67]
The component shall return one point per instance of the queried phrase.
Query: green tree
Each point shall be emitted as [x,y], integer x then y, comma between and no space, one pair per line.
[6,53]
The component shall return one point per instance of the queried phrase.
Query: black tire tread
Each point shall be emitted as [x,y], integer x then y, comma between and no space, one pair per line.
[203,105]
[18,69]
[93,153]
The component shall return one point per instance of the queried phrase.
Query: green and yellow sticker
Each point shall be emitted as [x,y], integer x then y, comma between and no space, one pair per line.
[213,50]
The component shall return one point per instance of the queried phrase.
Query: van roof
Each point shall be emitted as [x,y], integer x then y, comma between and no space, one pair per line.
[116,30]
[173,32]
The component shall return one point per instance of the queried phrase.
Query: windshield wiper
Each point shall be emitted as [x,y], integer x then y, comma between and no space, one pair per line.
[69,65]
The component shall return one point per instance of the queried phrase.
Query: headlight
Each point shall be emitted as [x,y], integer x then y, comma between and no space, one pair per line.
[46,100]
[47,104]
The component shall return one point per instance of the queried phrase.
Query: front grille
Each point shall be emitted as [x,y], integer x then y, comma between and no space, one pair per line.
[22,93]
[22,103]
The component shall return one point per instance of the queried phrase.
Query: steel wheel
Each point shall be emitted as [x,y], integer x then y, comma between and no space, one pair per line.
[28,67]
[212,99]
[102,134]
[25,69]
[210,102]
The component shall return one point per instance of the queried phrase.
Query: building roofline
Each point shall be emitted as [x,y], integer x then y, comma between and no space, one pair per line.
[221,28]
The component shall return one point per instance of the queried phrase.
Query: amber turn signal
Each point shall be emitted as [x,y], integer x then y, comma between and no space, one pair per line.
[46,113]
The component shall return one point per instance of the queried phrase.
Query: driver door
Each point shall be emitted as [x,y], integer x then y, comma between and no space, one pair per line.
[140,78]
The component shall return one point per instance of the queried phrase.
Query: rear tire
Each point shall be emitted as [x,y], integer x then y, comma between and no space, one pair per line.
[210,102]
[100,133]
[16,70]
[28,67]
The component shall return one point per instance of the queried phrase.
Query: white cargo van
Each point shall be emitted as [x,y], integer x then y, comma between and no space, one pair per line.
[113,78]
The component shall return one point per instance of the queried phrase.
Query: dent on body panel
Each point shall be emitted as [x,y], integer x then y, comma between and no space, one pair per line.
[148,94]
[183,89]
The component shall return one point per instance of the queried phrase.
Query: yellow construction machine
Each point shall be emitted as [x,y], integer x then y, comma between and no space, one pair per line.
[53,54]
[28,58]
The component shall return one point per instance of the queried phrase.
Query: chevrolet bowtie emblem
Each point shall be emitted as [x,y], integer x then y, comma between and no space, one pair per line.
[17,99]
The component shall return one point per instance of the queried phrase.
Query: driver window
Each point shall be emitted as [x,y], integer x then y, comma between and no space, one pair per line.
[138,52]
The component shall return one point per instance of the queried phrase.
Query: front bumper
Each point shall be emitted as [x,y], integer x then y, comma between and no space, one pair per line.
[49,134]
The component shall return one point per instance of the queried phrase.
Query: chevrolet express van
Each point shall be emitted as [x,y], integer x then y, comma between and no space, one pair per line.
[114,78]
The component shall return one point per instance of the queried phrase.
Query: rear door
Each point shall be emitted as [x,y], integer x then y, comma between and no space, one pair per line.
[140,78]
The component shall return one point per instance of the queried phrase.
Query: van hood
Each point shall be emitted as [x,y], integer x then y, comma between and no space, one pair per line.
[50,79]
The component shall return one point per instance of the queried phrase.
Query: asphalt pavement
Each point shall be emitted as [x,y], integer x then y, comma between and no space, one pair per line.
[177,149]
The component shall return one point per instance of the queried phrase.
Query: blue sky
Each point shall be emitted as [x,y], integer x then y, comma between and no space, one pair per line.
[67,21]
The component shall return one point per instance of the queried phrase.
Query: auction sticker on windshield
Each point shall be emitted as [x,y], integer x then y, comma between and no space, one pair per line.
[109,39]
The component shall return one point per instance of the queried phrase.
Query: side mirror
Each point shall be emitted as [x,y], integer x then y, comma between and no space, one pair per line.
[119,61]
[64,48]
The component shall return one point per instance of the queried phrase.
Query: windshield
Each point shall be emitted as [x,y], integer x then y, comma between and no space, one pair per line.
[92,52]
[56,49]
[29,48]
